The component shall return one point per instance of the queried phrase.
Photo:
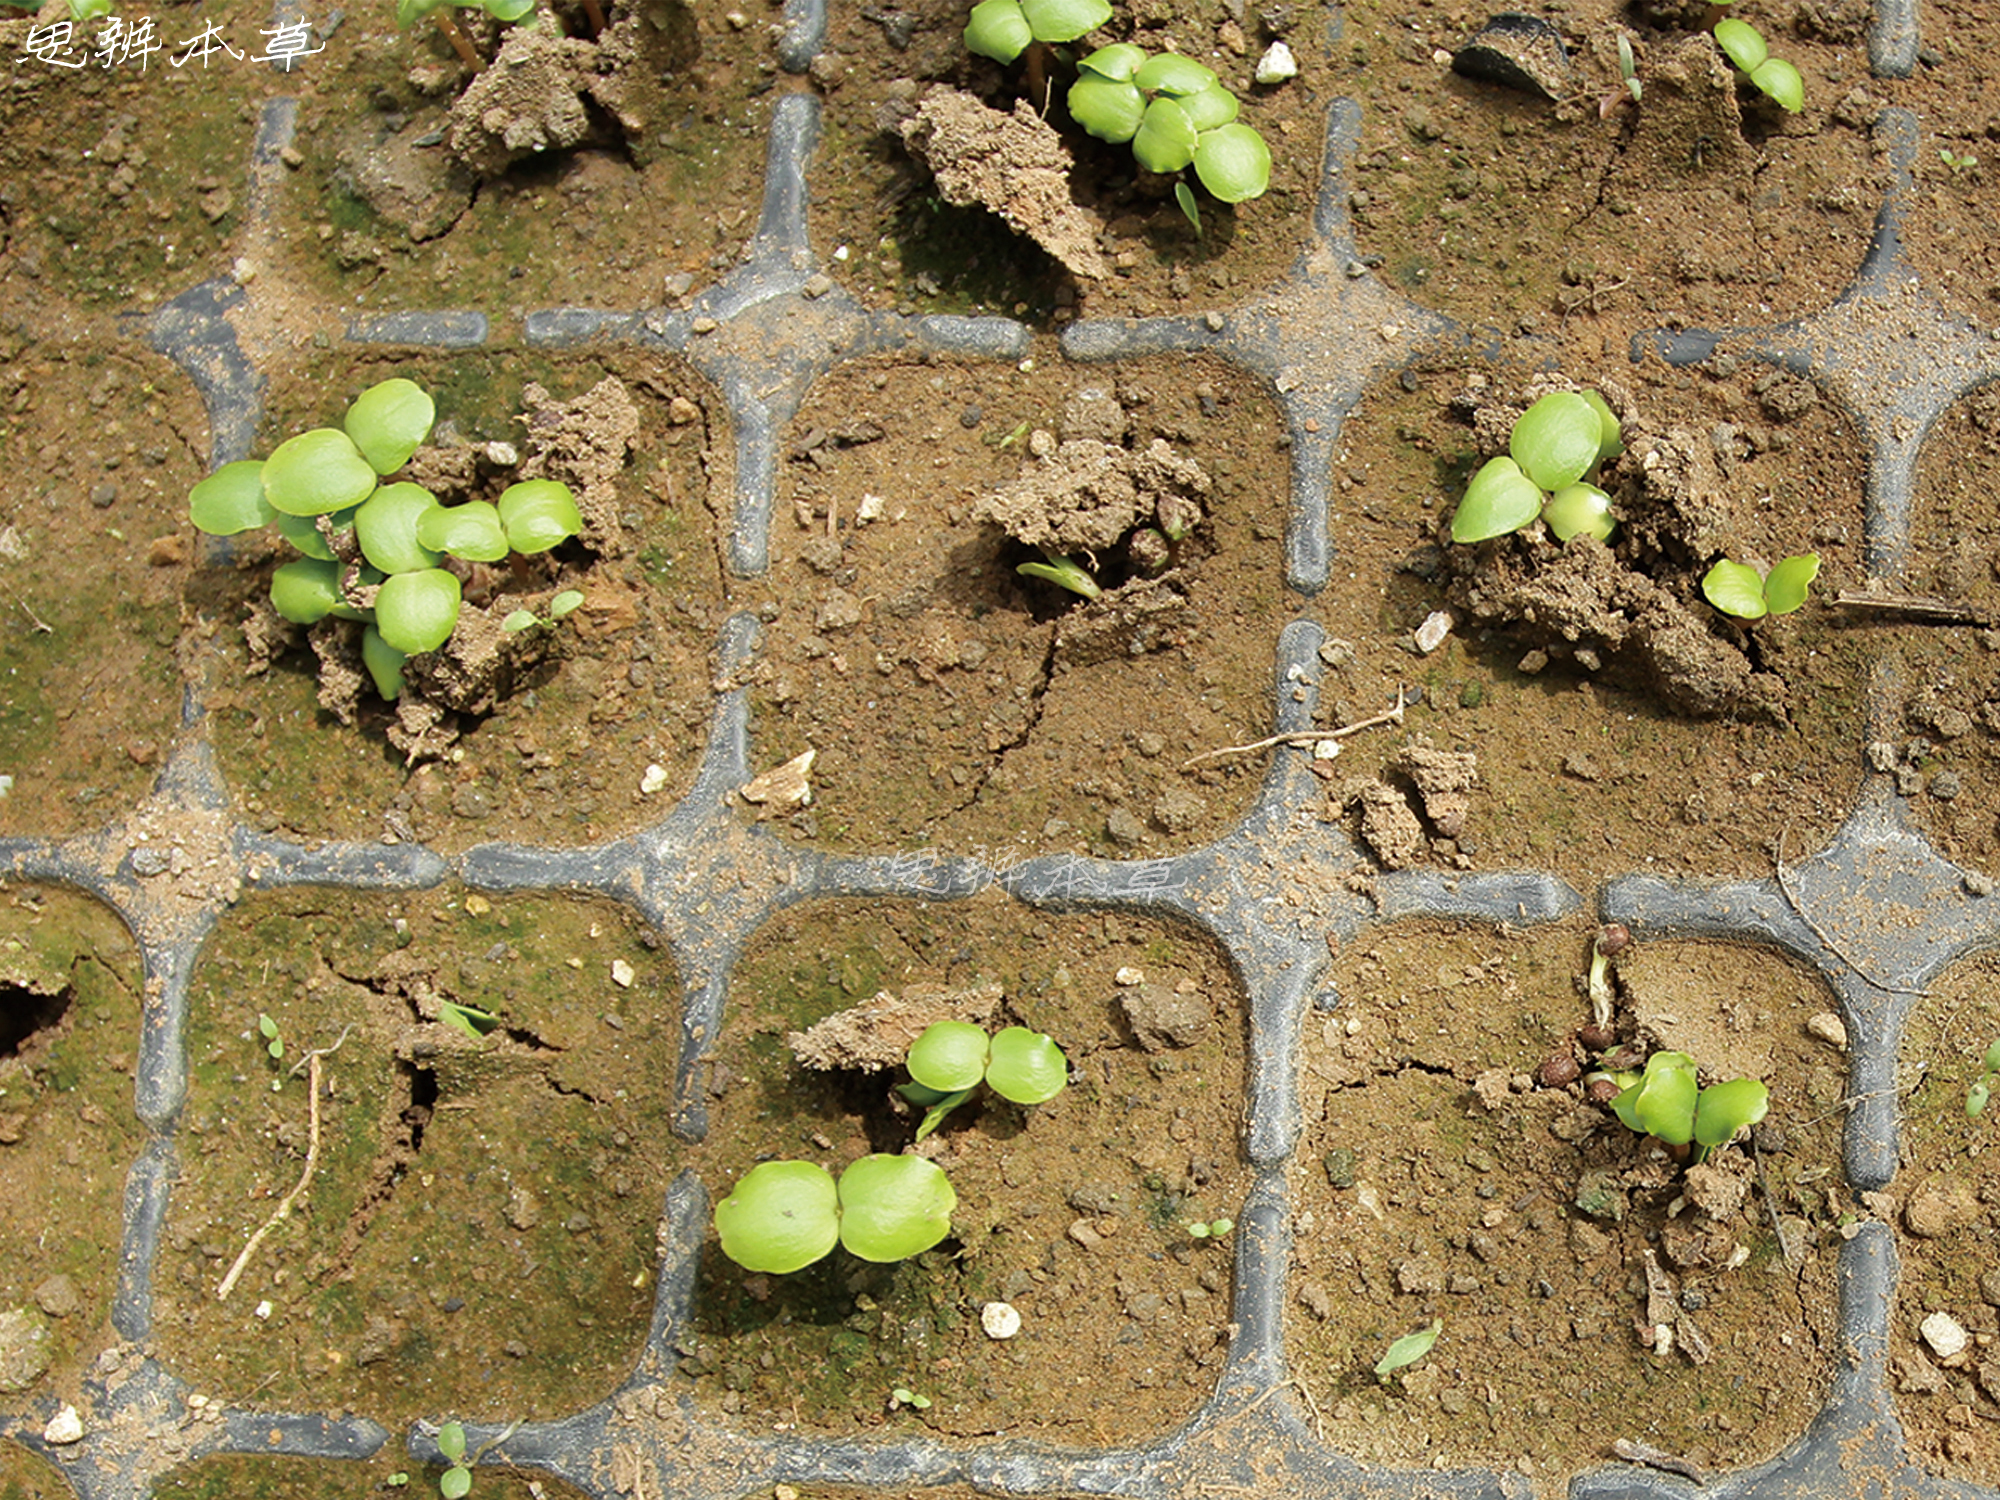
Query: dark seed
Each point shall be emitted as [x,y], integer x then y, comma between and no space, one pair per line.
[1596,1038]
[1557,1071]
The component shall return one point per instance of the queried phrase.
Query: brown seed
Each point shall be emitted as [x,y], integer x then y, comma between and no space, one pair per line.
[1558,1070]
[1613,938]
[1601,1090]
[1596,1038]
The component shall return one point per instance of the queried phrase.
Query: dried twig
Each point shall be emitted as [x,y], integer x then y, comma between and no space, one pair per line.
[283,1211]
[1917,606]
[1770,1205]
[40,624]
[1309,736]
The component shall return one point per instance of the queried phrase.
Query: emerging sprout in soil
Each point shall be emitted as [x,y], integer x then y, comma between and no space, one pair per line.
[1557,442]
[1743,44]
[903,1396]
[1214,1229]
[1667,1101]
[409,12]
[456,1482]
[952,1058]
[1736,589]
[1957,162]
[1064,573]
[1408,1349]
[1612,939]
[1977,1096]
[469,1019]
[378,552]
[784,1215]
[525,619]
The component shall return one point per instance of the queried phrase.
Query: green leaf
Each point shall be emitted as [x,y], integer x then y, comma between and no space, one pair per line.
[893,1207]
[1786,584]
[231,500]
[1663,1101]
[1165,140]
[303,531]
[471,531]
[469,1019]
[1611,435]
[409,12]
[934,1115]
[451,1441]
[1976,1097]
[1117,62]
[389,421]
[1992,1058]
[1578,508]
[1233,163]
[1172,74]
[384,663]
[565,603]
[997,29]
[386,527]
[1210,109]
[1741,43]
[316,473]
[1556,440]
[783,1216]
[1724,1108]
[518,621]
[306,591]
[949,1056]
[417,611]
[1108,108]
[1184,196]
[1064,20]
[1781,82]
[1735,589]
[507,10]
[1064,574]
[266,1027]
[1026,1066]
[455,1483]
[1499,500]
[538,514]
[1410,1348]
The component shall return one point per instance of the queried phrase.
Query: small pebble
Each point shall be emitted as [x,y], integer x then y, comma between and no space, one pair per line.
[64,1428]
[622,973]
[1829,1028]
[1000,1320]
[1944,1334]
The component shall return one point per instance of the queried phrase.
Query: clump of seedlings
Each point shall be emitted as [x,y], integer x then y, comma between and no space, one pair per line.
[415,570]
[1585,535]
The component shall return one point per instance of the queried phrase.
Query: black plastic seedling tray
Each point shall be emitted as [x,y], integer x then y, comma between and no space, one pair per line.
[1877,911]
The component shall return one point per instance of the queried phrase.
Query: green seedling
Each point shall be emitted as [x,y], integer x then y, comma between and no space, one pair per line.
[324,491]
[952,1058]
[1214,1229]
[1736,588]
[456,1481]
[1408,1349]
[1063,573]
[903,1396]
[273,1043]
[1958,162]
[1743,44]
[1561,439]
[1666,1101]
[1976,1097]
[563,604]
[784,1215]
[1175,113]
[469,1019]
[1628,72]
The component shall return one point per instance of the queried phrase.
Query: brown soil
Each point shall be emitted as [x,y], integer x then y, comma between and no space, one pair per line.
[478,1238]
[69,1019]
[23,1476]
[1074,1211]
[1438,1180]
[1941,1205]
[952,701]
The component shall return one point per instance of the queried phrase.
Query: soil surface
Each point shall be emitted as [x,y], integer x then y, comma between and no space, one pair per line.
[1947,1388]
[1441,1177]
[465,1188]
[69,1018]
[1075,1212]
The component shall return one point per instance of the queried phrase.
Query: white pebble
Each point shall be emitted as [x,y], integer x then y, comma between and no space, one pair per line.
[1277,64]
[622,974]
[653,780]
[1000,1320]
[64,1428]
[1944,1334]
[262,1309]
[1829,1028]
[1129,976]
[1431,634]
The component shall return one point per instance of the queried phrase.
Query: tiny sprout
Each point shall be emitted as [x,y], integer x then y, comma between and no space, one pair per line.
[902,1396]
[1214,1229]
[1408,1349]
[1668,1102]
[469,1019]
[456,1482]
[526,619]
[397,1480]
[1612,939]
[784,1215]
[1628,69]
[1736,589]
[273,1043]
[952,1058]
[1977,1096]
[1064,573]
[1558,441]
[1744,46]
[1956,161]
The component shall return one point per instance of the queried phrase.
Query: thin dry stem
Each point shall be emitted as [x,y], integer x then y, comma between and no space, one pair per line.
[1308,736]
